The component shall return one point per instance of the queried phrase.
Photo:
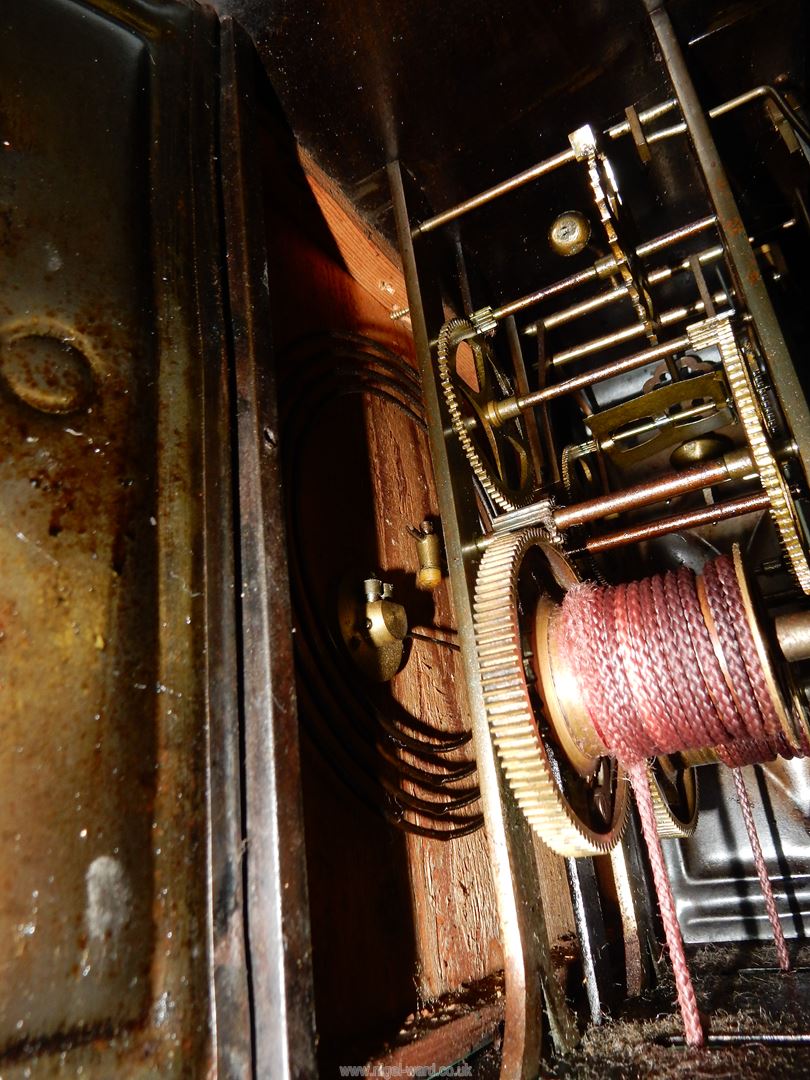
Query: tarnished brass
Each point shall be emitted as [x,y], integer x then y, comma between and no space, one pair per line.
[645,425]
[790,720]
[605,192]
[496,454]
[429,553]
[569,233]
[793,635]
[674,791]
[373,627]
[571,815]
[745,270]
[752,420]
[698,450]
[501,411]
[561,697]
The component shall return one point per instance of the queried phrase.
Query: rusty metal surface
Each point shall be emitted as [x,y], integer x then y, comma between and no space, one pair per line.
[690,519]
[748,279]
[114,726]
[665,487]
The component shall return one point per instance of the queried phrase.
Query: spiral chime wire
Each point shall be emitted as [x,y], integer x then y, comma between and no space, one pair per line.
[669,664]
[362,738]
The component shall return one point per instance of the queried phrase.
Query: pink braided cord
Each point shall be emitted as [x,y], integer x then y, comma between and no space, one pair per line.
[672,931]
[762,870]
[654,680]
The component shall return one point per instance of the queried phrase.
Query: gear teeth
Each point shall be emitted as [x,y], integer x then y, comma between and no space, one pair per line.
[501,497]
[719,332]
[670,826]
[636,292]
[510,714]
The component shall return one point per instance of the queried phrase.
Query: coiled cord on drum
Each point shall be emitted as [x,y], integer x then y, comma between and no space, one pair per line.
[661,672]
[362,738]
[669,664]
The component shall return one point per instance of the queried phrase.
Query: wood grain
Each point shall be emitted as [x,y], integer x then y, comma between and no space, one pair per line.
[331,273]
[455,925]
[368,260]
[454,906]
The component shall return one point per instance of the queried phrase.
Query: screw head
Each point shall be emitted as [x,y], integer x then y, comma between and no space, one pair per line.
[569,233]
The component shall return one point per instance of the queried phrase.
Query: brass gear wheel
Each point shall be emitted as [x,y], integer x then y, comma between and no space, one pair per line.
[545,788]
[720,333]
[674,791]
[490,458]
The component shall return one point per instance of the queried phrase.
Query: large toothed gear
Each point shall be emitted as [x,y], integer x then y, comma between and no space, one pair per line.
[719,332]
[537,771]
[490,451]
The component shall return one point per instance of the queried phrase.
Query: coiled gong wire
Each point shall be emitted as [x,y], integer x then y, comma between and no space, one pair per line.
[361,737]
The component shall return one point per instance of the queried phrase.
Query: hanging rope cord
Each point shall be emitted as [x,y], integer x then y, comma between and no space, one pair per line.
[669,664]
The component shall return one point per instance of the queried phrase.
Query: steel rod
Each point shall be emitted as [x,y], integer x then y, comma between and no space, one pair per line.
[532,173]
[652,113]
[644,427]
[766,1038]
[692,519]
[602,269]
[663,273]
[754,94]
[585,307]
[607,341]
[488,196]
[654,277]
[684,232]
[623,128]
[591,274]
[550,443]
[522,387]
[747,277]
[732,466]
[505,410]
[616,337]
